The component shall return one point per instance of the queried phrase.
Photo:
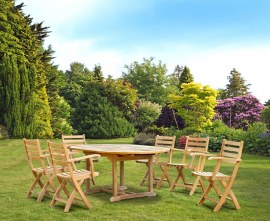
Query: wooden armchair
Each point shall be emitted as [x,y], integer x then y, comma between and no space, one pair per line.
[39,163]
[60,155]
[71,140]
[230,153]
[193,159]
[160,141]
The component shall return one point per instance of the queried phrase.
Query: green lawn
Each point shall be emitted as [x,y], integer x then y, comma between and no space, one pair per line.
[252,188]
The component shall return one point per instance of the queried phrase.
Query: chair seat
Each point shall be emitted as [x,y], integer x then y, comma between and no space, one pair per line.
[80,174]
[177,164]
[208,175]
[49,169]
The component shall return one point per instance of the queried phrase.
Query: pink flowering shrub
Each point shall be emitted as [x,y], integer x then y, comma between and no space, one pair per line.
[239,112]
[182,142]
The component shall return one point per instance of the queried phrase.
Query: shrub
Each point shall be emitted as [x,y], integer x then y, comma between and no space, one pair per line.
[168,117]
[146,113]
[265,115]
[253,136]
[239,112]
[97,117]
[3,133]
[145,139]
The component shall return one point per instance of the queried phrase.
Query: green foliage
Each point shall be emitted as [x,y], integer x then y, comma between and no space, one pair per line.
[219,131]
[237,85]
[97,117]
[149,79]
[60,117]
[74,81]
[253,136]
[3,133]
[145,139]
[122,95]
[24,101]
[265,116]
[146,113]
[195,105]
[185,77]
[60,109]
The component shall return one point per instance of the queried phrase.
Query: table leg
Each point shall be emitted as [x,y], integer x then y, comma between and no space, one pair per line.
[122,175]
[114,177]
[87,182]
[150,175]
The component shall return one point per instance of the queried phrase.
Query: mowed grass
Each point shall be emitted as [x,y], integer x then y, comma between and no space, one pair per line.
[252,188]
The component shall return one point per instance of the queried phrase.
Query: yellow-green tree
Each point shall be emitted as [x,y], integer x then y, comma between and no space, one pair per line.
[195,105]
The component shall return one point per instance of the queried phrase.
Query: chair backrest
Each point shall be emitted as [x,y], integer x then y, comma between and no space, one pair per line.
[60,156]
[231,151]
[34,153]
[73,139]
[195,145]
[165,141]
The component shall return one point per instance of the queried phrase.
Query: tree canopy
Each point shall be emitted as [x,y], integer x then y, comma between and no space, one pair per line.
[195,105]
[148,79]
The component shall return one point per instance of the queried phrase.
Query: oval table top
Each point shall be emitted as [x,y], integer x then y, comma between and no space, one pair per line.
[120,149]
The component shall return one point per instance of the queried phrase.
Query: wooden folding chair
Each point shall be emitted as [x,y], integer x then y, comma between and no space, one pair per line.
[60,155]
[160,141]
[193,159]
[39,163]
[71,140]
[230,153]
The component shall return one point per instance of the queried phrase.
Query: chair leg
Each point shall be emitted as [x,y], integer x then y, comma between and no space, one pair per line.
[57,193]
[45,187]
[229,192]
[164,174]
[145,177]
[195,185]
[180,174]
[84,198]
[176,179]
[36,181]
[205,194]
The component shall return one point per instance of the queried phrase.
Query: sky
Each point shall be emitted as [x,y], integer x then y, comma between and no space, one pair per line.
[210,37]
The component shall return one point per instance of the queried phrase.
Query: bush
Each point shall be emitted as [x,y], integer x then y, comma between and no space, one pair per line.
[145,139]
[146,113]
[3,133]
[265,115]
[168,117]
[239,112]
[97,117]
[253,137]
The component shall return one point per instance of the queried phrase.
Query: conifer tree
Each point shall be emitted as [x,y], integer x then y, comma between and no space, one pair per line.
[237,85]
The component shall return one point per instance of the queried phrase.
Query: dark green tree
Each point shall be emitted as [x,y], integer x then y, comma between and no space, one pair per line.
[237,85]
[74,82]
[185,77]
[97,117]
[21,49]
[149,79]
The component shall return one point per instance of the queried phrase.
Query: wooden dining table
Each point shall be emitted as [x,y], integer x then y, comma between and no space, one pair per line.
[122,153]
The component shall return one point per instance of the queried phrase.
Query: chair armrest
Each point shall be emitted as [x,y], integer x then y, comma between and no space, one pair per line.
[215,158]
[198,154]
[84,157]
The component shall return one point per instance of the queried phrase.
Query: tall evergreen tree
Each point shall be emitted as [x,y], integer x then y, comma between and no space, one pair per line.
[185,77]
[24,101]
[237,85]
